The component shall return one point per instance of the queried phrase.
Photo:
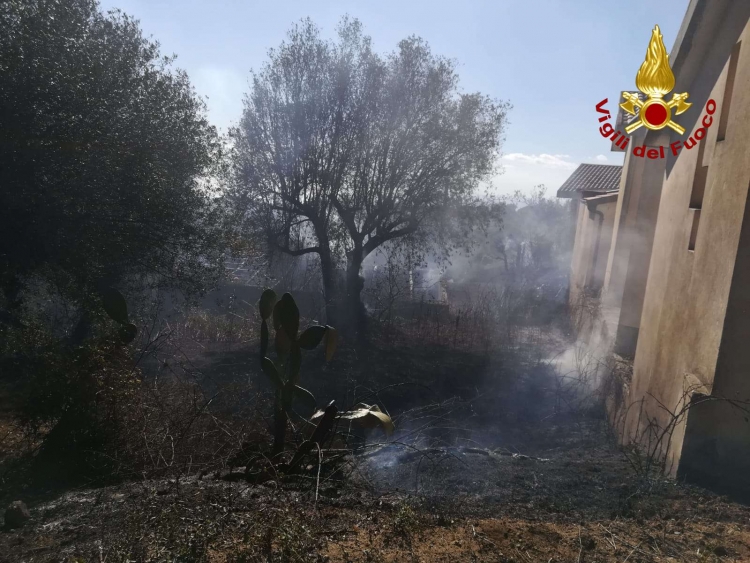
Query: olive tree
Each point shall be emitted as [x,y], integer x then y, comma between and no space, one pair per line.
[341,150]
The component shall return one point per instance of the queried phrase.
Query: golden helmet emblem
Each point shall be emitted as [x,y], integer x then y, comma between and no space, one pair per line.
[655,79]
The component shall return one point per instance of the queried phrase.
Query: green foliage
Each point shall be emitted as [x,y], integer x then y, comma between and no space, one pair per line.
[288,316]
[105,149]
[312,337]
[266,305]
[267,302]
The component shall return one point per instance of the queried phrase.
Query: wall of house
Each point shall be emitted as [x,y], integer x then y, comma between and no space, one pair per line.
[628,264]
[603,210]
[594,226]
[645,178]
[579,256]
[617,262]
[693,322]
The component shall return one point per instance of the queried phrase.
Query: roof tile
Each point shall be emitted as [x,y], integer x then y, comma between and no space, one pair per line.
[600,178]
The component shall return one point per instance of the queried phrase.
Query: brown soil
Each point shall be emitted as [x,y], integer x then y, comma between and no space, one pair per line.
[524,540]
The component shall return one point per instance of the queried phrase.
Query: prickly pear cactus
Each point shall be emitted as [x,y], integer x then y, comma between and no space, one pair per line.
[284,373]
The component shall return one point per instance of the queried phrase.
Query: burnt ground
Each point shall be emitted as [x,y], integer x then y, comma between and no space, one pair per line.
[579,504]
[493,460]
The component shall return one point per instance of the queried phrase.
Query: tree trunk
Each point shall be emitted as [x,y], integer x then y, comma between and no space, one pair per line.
[356,315]
[330,288]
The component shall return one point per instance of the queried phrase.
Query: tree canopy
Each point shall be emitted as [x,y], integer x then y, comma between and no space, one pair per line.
[341,150]
[103,149]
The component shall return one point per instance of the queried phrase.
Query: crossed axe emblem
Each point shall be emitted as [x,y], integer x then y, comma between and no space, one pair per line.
[654,112]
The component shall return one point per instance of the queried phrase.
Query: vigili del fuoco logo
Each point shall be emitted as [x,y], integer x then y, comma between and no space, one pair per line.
[648,108]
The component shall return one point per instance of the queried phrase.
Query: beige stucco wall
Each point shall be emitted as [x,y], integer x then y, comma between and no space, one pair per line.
[591,248]
[682,324]
[645,178]
[617,259]
[577,271]
[608,211]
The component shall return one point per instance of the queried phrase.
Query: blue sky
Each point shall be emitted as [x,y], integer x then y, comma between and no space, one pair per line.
[554,60]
